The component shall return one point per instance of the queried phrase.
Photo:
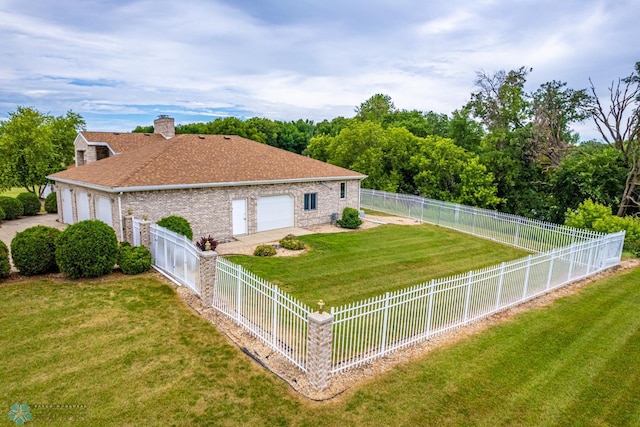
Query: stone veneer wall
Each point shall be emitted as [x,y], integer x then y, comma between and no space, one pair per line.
[209,210]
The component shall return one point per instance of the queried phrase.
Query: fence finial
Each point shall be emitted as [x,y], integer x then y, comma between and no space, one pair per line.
[320,306]
[130,211]
[145,216]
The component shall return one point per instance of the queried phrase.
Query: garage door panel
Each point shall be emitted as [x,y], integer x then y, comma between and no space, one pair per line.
[275,212]
[103,210]
[82,203]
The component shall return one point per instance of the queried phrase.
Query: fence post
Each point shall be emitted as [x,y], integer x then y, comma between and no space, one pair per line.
[500,281]
[468,297]
[145,234]
[319,343]
[208,273]
[432,288]
[128,229]
[527,273]
[239,294]
[385,321]
[553,257]
[572,260]
[274,318]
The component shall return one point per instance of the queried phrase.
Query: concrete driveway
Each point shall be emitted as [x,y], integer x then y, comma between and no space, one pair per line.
[8,229]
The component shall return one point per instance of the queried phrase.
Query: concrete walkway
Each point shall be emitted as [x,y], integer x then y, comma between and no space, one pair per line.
[266,237]
[8,229]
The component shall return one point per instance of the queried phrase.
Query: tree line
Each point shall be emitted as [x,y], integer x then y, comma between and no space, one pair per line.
[505,149]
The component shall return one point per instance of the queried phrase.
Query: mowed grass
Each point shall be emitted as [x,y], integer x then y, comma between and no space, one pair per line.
[347,267]
[134,354]
[13,192]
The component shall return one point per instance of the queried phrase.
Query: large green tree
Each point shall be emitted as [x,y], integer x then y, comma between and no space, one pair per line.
[33,145]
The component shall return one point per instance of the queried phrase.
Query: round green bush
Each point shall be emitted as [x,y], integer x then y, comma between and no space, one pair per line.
[12,207]
[87,249]
[34,250]
[265,250]
[177,224]
[291,242]
[350,218]
[5,267]
[2,214]
[134,260]
[51,203]
[30,202]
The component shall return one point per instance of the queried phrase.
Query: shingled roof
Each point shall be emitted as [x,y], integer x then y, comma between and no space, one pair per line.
[192,161]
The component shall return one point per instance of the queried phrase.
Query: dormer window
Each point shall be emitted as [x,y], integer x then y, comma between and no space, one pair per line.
[102,152]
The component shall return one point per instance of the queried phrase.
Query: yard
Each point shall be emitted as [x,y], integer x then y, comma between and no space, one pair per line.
[345,267]
[132,352]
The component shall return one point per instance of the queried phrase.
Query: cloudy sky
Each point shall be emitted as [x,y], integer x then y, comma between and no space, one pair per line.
[121,63]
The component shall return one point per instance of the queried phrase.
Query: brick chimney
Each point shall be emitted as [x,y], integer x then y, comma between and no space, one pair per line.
[164,125]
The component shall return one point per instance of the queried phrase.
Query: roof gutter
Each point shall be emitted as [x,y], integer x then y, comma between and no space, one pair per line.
[202,185]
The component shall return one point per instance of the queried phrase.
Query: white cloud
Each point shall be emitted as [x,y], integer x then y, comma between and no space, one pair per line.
[287,61]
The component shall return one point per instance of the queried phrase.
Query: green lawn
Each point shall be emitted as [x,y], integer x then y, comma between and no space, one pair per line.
[13,192]
[134,354]
[347,267]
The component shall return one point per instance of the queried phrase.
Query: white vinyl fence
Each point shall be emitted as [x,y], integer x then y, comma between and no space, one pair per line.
[175,256]
[269,314]
[530,234]
[372,328]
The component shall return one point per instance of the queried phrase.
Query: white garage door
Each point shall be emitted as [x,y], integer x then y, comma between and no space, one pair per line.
[103,210]
[67,206]
[82,203]
[275,212]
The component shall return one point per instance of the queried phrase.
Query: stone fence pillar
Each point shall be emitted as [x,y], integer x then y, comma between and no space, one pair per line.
[208,260]
[128,229]
[145,234]
[319,350]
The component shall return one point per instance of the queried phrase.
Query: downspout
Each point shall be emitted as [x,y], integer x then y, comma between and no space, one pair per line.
[120,215]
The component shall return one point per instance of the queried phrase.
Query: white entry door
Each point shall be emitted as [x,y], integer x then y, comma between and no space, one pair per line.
[275,212]
[239,216]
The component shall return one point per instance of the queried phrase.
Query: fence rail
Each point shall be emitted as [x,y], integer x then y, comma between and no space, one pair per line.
[175,256]
[530,234]
[269,314]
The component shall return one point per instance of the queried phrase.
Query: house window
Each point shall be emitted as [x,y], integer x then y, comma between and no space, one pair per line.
[80,157]
[343,190]
[310,201]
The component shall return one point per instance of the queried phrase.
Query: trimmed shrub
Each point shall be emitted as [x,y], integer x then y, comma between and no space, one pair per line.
[202,243]
[134,260]
[12,207]
[291,242]
[5,267]
[350,218]
[2,214]
[597,217]
[30,203]
[265,250]
[177,224]
[34,250]
[51,203]
[87,249]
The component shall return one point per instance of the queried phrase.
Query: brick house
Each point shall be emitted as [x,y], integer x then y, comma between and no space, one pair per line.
[223,185]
